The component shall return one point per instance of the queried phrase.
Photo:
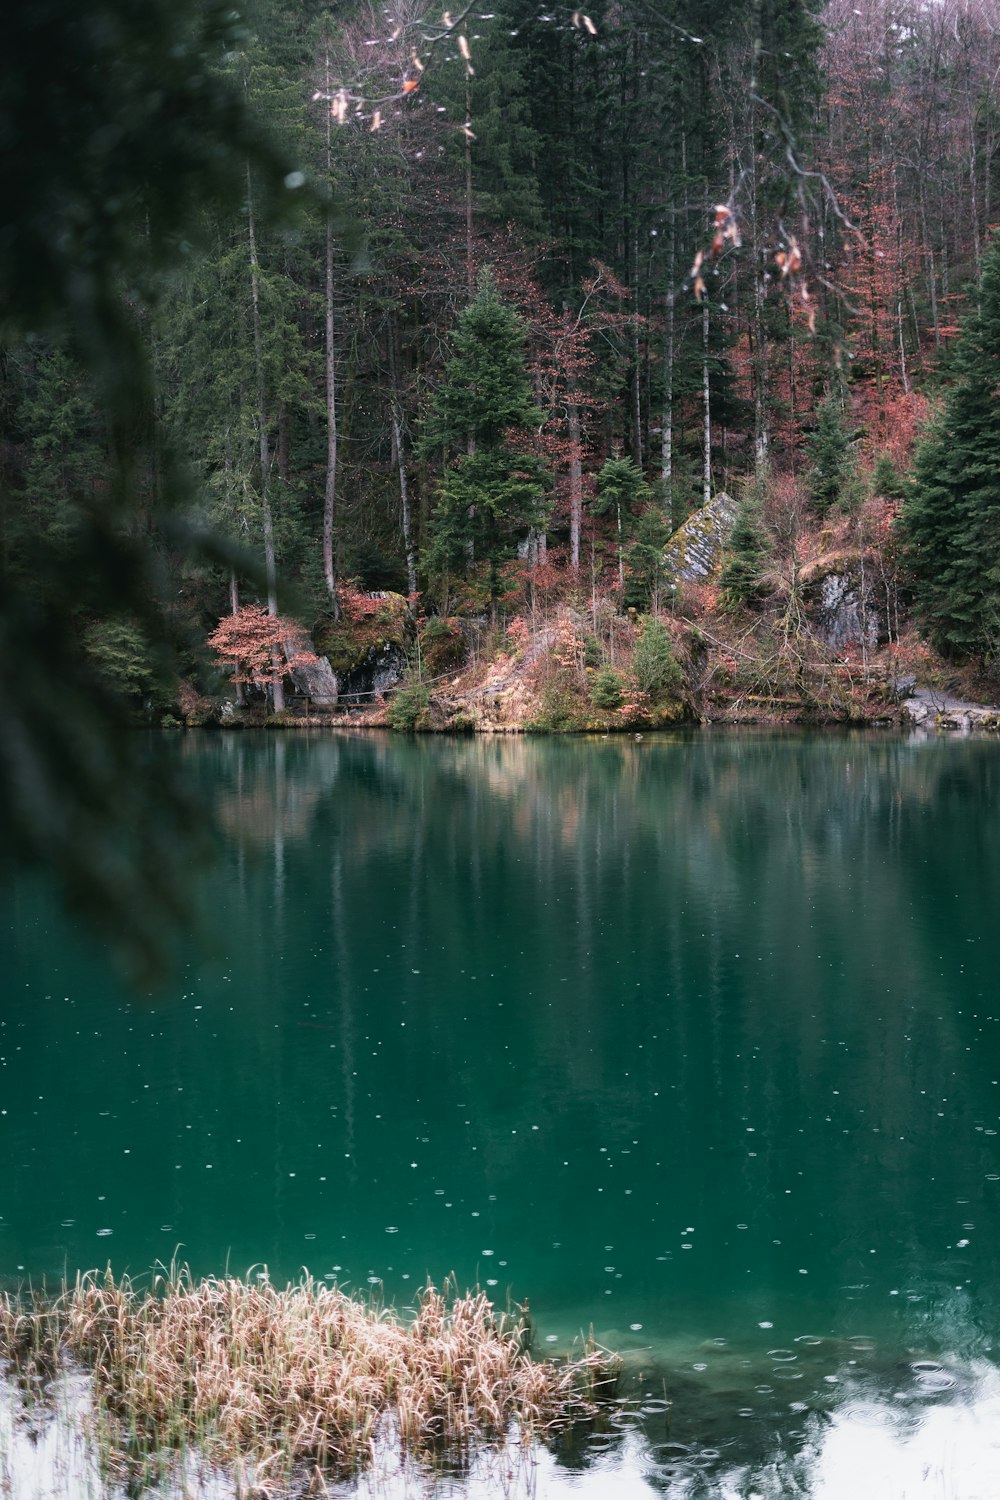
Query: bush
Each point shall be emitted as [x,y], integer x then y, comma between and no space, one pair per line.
[606,689]
[559,711]
[656,668]
[408,707]
[442,644]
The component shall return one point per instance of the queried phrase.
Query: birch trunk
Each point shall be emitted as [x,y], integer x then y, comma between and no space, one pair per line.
[575,484]
[267,520]
[330,492]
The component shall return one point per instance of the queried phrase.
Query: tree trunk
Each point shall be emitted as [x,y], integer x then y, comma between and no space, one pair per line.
[404,488]
[234,608]
[575,483]
[706,484]
[470,273]
[278,690]
[636,385]
[667,428]
[931,269]
[330,492]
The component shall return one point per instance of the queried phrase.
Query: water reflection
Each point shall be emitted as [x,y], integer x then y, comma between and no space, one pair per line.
[693,1040]
[873,1442]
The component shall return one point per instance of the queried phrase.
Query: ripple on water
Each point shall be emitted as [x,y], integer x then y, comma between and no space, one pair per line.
[869,1414]
[626,1421]
[673,1453]
[933,1378]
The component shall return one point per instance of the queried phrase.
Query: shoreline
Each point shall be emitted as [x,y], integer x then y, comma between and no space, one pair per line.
[938,713]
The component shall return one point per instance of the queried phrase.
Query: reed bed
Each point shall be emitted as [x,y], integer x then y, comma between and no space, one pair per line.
[293,1387]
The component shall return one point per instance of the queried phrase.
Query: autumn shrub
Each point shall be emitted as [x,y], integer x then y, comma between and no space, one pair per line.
[657,671]
[408,706]
[196,709]
[606,689]
[258,648]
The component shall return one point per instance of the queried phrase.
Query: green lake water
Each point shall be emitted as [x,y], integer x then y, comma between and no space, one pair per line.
[692,1039]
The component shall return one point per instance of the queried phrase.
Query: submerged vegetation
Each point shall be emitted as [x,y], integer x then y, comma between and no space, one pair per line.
[298,1384]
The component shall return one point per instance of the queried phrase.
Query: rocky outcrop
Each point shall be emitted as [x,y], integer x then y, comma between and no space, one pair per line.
[367,645]
[318,682]
[381,668]
[842,615]
[843,601]
[694,551]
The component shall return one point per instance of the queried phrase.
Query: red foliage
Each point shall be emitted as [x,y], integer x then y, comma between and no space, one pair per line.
[259,648]
[357,605]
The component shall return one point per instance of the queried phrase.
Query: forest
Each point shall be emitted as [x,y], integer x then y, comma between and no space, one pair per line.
[541,368]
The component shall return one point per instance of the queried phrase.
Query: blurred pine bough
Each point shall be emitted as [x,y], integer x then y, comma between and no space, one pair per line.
[117,127]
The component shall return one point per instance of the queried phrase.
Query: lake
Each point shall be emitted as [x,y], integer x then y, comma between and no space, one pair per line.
[693,1039]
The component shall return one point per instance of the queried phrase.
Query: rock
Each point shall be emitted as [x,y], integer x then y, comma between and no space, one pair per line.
[844,604]
[381,668]
[366,647]
[931,709]
[317,681]
[694,551]
[839,616]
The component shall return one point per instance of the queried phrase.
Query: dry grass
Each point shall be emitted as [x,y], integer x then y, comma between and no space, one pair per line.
[292,1386]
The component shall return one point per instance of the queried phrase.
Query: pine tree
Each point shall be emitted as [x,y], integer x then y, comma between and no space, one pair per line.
[951,522]
[748,550]
[621,492]
[831,463]
[486,391]
[644,559]
[491,496]
[67,463]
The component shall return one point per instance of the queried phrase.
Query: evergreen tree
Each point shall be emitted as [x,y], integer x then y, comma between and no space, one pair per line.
[951,521]
[645,559]
[492,495]
[657,671]
[831,462]
[65,452]
[486,391]
[622,492]
[747,553]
